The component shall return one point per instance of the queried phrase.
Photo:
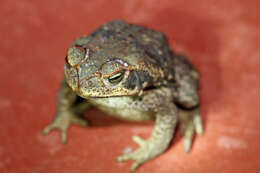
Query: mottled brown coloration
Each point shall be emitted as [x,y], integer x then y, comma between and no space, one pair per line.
[130,72]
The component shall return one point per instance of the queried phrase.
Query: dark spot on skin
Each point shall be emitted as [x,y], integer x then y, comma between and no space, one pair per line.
[66,60]
[137,98]
[108,33]
[90,84]
[79,100]
[104,34]
[145,77]
[149,88]
[133,81]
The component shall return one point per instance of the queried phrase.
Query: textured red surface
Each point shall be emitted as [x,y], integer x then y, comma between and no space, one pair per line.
[221,37]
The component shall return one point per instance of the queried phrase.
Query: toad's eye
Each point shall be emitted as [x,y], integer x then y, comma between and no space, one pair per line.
[116,78]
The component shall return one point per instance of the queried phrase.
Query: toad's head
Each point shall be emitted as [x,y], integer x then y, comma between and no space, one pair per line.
[99,73]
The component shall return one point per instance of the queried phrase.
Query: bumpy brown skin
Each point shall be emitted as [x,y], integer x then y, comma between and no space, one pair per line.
[130,72]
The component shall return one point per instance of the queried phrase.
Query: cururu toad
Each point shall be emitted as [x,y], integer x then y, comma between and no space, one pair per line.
[131,73]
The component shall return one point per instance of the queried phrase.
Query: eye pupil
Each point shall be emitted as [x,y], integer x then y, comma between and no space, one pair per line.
[116,77]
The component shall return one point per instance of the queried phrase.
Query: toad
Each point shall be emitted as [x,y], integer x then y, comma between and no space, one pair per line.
[130,72]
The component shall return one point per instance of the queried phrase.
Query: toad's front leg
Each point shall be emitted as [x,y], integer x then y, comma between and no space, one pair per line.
[68,112]
[166,119]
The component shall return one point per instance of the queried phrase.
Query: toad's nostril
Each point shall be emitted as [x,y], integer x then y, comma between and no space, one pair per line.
[75,55]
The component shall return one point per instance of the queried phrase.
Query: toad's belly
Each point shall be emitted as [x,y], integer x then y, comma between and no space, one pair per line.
[122,108]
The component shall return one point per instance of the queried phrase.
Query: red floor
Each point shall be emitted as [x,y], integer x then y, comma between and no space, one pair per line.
[221,37]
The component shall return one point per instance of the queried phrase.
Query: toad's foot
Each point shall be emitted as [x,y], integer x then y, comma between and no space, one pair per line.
[191,123]
[148,150]
[62,122]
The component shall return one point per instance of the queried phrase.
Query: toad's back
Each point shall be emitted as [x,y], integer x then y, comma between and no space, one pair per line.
[151,46]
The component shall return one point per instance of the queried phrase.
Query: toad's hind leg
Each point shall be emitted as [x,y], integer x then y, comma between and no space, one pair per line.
[186,96]
[191,123]
[68,111]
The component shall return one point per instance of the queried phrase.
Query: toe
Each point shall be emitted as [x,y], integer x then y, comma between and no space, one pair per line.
[187,145]
[135,165]
[64,137]
[198,125]
[124,157]
[139,140]
[47,129]
[188,138]
[80,121]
